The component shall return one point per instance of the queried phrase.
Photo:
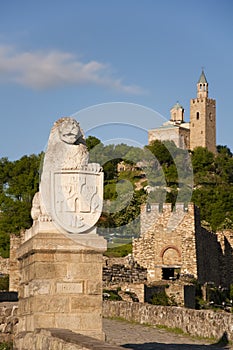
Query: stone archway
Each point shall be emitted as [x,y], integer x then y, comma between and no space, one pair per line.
[171,256]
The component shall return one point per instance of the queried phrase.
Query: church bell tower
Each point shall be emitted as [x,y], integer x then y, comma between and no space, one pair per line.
[203,118]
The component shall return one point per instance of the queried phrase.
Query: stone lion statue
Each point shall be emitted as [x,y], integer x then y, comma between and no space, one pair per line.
[66,150]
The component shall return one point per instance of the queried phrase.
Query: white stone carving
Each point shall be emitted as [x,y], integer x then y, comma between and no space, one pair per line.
[71,189]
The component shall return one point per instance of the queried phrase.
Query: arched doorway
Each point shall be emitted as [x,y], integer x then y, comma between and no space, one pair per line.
[171,262]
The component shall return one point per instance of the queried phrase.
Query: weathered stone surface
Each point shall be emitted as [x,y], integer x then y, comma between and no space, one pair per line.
[204,323]
[8,320]
[201,323]
[188,246]
[160,246]
[62,291]
[59,339]
[69,288]
[15,242]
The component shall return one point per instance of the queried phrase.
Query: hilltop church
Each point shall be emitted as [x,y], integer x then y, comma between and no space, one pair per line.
[199,131]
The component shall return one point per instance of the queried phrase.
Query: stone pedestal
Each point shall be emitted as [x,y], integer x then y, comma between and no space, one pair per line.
[61,281]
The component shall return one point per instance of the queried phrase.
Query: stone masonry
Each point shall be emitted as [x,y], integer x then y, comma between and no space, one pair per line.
[199,131]
[119,274]
[158,247]
[188,248]
[61,285]
[198,323]
[15,242]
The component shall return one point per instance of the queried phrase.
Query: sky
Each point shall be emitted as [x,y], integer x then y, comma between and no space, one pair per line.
[108,63]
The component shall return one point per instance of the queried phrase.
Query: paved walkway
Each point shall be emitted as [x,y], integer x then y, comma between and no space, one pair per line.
[139,337]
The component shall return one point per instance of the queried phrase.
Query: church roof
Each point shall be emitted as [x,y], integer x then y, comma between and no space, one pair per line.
[177,105]
[202,78]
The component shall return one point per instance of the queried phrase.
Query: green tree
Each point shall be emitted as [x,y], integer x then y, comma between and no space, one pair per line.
[91,142]
[19,183]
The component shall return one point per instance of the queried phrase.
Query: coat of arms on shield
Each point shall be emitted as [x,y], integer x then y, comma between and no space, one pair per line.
[76,199]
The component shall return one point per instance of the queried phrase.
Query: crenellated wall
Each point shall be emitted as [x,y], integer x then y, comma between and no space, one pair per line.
[175,239]
[167,240]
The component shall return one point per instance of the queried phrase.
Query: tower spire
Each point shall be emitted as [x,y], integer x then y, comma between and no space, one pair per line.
[202,86]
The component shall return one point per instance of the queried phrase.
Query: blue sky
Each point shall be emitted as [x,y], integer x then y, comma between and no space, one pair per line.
[60,57]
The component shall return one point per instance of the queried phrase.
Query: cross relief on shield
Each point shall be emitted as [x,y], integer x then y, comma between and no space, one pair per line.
[76,198]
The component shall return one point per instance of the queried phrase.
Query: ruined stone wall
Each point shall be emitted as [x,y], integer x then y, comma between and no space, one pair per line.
[176,239]
[201,323]
[209,254]
[167,239]
[119,274]
[137,288]
[15,242]
[8,321]
[209,257]
[4,265]
[225,239]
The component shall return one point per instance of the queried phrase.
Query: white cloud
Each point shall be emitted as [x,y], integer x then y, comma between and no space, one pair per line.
[41,70]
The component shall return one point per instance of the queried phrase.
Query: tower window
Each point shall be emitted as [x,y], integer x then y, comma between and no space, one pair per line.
[200,87]
[210,117]
[197,115]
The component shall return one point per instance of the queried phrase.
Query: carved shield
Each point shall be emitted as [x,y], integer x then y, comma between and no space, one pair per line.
[76,199]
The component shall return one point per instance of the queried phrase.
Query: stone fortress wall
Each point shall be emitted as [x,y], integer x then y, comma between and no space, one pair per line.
[4,265]
[117,274]
[187,247]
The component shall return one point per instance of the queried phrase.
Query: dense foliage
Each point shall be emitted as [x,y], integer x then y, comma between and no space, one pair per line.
[19,180]
[213,191]
[161,166]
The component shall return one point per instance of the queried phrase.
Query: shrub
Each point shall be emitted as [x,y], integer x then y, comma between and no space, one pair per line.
[161,298]
[6,346]
[4,283]
[111,295]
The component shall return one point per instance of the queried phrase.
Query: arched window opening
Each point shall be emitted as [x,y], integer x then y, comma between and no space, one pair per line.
[197,115]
